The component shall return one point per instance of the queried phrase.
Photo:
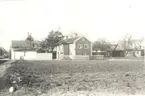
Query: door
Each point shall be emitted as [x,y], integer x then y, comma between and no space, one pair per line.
[142,52]
[66,49]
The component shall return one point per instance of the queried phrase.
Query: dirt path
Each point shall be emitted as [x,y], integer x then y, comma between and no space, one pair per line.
[4,66]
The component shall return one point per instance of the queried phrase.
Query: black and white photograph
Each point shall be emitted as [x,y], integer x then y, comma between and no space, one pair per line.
[72,47]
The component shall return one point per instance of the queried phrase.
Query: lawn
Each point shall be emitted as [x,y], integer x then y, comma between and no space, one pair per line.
[72,77]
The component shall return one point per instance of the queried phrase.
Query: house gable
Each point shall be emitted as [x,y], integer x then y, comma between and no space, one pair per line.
[84,39]
[83,46]
[68,41]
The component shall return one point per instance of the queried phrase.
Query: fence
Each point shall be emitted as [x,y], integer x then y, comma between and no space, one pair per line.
[96,57]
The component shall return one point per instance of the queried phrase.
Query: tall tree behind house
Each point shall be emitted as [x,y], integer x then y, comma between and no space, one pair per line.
[30,39]
[102,45]
[52,39]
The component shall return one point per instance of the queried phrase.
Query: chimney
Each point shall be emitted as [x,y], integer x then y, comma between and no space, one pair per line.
[66,37]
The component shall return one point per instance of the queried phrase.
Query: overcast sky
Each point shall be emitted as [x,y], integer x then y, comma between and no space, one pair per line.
[110,19]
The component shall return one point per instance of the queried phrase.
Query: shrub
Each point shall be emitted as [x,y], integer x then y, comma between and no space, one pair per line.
[27,75]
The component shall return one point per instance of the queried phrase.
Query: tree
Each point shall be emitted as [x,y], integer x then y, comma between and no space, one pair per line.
[102,45]
[128,43]
[52,39]
[30,39]
[43,44]
[73,34]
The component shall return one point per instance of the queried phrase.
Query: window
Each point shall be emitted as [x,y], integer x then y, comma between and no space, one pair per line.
[80,46]
[86,46]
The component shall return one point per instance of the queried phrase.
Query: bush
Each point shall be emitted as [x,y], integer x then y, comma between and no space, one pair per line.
[41,51]
[28,76]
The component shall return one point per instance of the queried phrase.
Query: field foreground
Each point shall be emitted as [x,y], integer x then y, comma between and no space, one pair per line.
[78,78]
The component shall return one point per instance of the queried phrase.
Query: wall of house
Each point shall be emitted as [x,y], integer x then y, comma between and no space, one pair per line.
[59,52]
[83,51]
[43,56]
[16,55]
[138,53]
[118,53]
[30,55]
[72,51]
[81,57]
[66,49]
[130,54]
[142,52]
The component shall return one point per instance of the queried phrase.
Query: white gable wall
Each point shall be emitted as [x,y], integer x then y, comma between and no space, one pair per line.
[72,50]
[60,52]
[30,55]
[44,56]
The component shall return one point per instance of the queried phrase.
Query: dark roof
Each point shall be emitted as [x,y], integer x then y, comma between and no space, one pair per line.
[20,44]
[68,41]
[3,51]
[37,42]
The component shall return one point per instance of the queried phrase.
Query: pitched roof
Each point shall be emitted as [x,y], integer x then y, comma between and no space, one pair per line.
[119,47]
[68,41]
[37,42]
[3,51]
[20,44]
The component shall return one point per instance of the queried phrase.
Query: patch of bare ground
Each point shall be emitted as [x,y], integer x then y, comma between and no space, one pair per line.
[119,78]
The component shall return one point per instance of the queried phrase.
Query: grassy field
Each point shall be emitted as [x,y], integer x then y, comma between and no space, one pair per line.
[71,77]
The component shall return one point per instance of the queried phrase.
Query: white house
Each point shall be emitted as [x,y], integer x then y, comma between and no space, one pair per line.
[27,51]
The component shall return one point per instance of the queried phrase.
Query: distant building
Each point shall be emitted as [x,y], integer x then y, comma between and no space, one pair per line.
[133,49]
[138,47]
[74,48]
[21,49]
[117,50]
[3,53]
